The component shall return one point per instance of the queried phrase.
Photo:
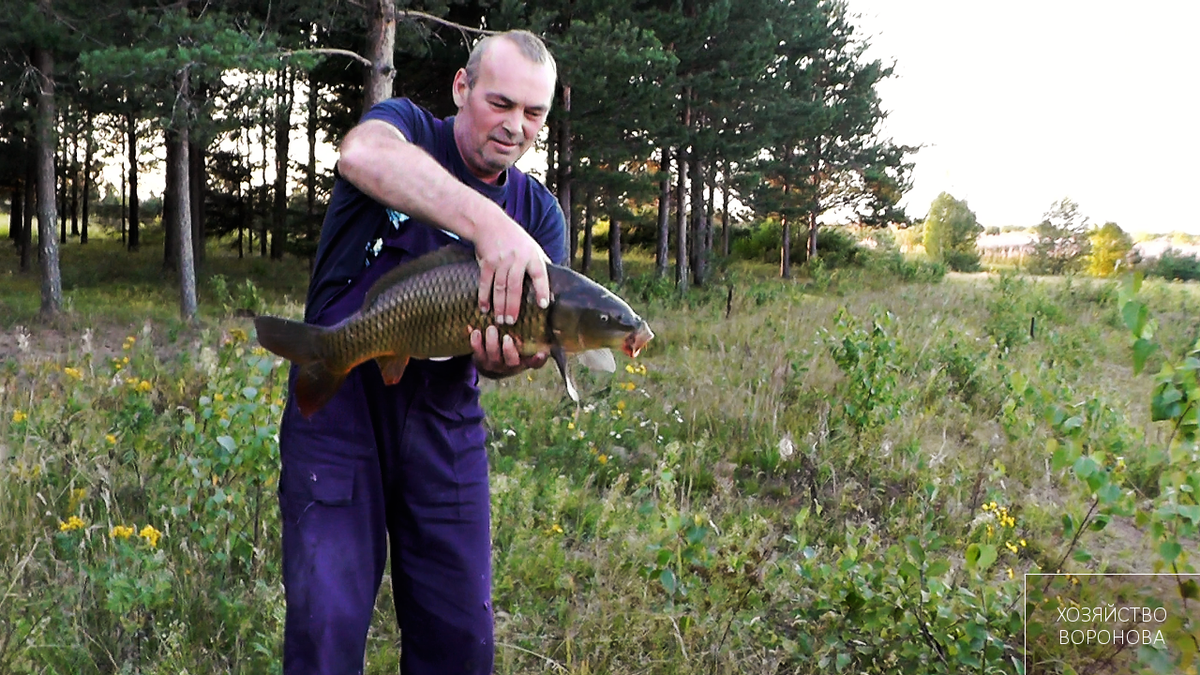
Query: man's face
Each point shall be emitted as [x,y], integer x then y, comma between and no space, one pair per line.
[499,118]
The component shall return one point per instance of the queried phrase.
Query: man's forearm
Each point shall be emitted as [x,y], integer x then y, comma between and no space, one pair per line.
[378,160]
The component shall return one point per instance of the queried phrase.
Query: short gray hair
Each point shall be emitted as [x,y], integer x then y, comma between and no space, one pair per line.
[530,46]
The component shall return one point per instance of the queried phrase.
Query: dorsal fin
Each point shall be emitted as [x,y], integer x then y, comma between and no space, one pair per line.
[446,255]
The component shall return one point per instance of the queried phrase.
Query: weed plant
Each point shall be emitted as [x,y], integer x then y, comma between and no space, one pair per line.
[849,472]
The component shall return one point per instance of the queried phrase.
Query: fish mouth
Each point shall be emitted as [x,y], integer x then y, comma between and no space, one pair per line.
[635,341]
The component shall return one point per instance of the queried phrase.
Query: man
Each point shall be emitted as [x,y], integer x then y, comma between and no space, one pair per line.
[404,466]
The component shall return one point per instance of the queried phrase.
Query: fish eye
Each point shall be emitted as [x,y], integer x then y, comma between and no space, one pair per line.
[603,318]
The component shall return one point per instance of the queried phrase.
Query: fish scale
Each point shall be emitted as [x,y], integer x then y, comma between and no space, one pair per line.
[427,308]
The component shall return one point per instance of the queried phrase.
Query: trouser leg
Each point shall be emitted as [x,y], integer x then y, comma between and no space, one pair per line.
[441,539]
[334,533]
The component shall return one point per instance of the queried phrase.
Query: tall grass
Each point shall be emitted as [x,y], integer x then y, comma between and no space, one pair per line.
[839,473]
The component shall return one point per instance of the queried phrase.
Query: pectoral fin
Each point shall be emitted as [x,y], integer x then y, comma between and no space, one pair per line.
[560,357]
[598,359]
[392,367]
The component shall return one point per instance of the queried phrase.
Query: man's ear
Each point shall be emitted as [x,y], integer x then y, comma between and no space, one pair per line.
[461,89]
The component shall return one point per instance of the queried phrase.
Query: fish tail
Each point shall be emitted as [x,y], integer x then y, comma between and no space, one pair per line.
[300,343]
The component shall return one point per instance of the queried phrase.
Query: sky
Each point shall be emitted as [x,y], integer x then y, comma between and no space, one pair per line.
[1019,104]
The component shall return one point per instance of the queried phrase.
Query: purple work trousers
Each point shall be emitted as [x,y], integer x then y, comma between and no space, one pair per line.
[400,468]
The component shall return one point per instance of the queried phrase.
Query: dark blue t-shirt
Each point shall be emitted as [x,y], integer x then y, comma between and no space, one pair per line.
[359,230]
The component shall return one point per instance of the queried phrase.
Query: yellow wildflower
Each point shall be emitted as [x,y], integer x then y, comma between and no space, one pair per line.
[73,372]
[121,532]
[129,342]
[1022,543]
[258,351]
[112,440]
[19,417]
[570,425]
[620,405]
[219,397]
[151,535]
[144,386]
[1010,573]
[603,459]
[556,528]
[1010,546]
[238,335]
[629,368]
[73,523]
[125,360]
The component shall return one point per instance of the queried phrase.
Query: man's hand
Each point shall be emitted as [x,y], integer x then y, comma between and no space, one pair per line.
[507,253]
[498,357]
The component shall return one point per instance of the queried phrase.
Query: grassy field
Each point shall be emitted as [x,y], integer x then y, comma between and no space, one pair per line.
[843,473]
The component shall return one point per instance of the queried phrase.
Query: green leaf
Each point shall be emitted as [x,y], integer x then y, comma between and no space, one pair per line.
[667,579]
[980,556]
[1190,590]
[938,568]
[227,442]
[1084,467]
[1142,349]
[1169,551]
[1135,313]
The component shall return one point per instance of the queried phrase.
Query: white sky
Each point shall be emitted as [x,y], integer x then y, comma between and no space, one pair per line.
[1022,103]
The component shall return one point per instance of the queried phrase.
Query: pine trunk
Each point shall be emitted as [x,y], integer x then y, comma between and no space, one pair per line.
[134,229]
[181,188]
[31,179]
[284,92]
[16,214]
[785,246]
[43,61]
[73,177]
[616,265]
[565,175]
[725,213]
[88,153]
[589,214]
[697,219]
[681,233]
[381,42]
[197,179]
[662,249]
[171,202]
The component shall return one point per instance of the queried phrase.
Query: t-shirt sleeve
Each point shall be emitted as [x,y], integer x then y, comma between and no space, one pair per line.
[546,222]
[415,123]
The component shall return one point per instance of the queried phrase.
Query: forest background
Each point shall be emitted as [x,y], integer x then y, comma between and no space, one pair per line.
[850,468]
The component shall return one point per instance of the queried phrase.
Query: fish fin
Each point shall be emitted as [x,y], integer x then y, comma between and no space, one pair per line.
[598,359]
[560,357]
[446,255]
[300,343]
[392,367]
[315,386]
[295,341]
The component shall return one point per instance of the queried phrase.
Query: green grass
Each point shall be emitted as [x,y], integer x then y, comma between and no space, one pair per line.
[803,485]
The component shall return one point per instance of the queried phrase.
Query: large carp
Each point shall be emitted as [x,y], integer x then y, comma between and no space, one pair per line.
[428,307]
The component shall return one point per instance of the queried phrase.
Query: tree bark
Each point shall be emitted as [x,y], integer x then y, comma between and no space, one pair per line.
[566,174]
[16,215]
[73,177]
[662,249]
[616,265]
[785,244]
[815,209]
[43,61]
[134,229]
[182,202]
[725,212]
[61,179]
[197,180]
[89,149]
[697,219]
[310,176]
[589,206]
[681,233]
[381,43]
[284,91]
[31,179]
[171,202]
